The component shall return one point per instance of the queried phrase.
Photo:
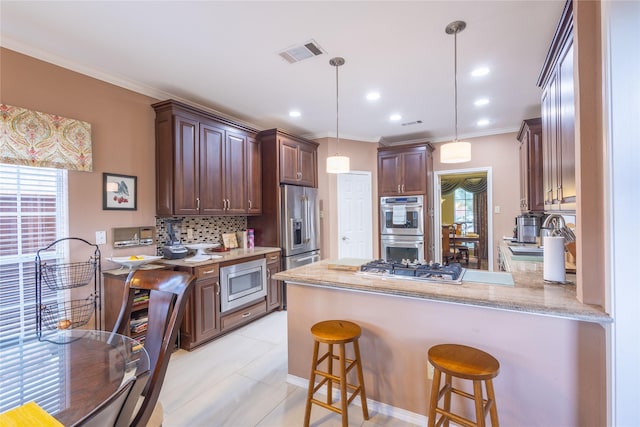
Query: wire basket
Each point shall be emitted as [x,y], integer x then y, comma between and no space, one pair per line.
[67,314]
[67,276]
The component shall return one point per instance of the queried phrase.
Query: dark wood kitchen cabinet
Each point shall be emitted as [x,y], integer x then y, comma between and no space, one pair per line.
[298,162]
[254,181]
[201,321]
[274,289]
[531,185]
[402,170]
[203,163]
[558,118]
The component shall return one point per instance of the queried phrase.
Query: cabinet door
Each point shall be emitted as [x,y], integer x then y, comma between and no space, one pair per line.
[524,174]
[211,169]
[235,177]
[288,161]
[535,189]
[207,313]
[186,190]
[307,165]
[254,176]
[567,145]
[550,137]
[414,174]
[389,169]
[274,290]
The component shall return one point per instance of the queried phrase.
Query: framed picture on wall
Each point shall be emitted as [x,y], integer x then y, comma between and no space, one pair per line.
[120,192]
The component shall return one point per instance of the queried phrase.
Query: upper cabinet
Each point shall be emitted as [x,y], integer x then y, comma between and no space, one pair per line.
[558,118]
[204,164]
[402,170]
[531,185]
[298,161]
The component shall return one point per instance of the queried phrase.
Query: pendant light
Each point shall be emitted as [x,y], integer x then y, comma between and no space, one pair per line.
[456,151]
[337,163]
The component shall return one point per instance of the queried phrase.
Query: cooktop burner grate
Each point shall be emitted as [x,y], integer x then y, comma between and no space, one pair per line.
[431,272]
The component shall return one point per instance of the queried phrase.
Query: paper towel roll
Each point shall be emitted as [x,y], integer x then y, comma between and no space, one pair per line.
[553,257]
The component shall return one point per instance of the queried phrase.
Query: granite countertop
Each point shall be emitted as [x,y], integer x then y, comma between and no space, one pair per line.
[233,254]
[529,294]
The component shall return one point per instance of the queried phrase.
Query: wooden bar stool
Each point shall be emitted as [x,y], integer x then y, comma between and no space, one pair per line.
[338,332]
[467,363]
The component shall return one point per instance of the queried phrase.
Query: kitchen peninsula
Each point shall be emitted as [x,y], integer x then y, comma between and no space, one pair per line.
[550,346]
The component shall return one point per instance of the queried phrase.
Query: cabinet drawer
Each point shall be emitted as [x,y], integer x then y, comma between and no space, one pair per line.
[273,257]
[245,315]
[207,271]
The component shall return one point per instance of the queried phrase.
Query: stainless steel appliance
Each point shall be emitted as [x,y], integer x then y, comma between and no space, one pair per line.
[431,272]
[243,283]
[299,227]
[397,248]
[527,228]
[402,215]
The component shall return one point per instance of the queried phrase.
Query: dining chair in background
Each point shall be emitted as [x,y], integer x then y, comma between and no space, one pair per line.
[168,295]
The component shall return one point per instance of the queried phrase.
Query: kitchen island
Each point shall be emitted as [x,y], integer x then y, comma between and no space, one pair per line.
[550,346]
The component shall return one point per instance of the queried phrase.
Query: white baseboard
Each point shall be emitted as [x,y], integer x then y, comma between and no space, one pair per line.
[379,407]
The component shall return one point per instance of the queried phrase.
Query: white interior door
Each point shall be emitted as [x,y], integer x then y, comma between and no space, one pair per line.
[354,215]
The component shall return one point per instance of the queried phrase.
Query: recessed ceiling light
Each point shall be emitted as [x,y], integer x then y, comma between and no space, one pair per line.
[481,101]
[395,117]
[294,113]
[373,96]
[482,122]
[482,71]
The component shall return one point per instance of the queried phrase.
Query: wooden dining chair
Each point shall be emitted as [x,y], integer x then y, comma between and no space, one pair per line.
[168,295]
[107,413]
[448,251]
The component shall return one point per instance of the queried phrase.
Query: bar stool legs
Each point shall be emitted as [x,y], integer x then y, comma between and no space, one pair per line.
[340,333]
[463,362]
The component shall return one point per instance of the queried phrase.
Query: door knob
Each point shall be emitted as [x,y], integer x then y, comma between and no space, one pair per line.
[345,238]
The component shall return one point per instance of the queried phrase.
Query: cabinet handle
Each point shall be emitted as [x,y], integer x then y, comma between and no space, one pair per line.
[398,188]
[268,273]
[403,188]
[249,204]
[217,288]
[228,204]
[273,258]
[247,314]
[198,203]
[299,175]
[209,271]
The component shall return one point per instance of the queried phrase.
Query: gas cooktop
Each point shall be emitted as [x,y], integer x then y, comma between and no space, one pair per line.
[430,272]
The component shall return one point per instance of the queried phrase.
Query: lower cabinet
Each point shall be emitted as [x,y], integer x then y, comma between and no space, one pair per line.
[243,315]
[274,287]
[201,321]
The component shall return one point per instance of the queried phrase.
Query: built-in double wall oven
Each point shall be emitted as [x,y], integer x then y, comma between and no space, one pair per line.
[402,228]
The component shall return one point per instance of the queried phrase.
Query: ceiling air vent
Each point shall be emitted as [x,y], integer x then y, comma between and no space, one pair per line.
[301,52]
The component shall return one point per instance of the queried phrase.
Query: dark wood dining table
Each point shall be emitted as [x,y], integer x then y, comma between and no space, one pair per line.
[68,373]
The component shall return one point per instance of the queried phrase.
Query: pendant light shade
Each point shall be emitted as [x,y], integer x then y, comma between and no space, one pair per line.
[337,163]
[456,151]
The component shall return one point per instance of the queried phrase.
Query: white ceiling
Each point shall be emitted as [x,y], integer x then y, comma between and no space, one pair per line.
[224,56]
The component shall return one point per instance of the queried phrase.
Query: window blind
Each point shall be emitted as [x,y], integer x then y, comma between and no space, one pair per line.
[33,214]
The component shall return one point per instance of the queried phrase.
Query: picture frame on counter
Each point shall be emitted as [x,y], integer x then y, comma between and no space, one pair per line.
[120,192]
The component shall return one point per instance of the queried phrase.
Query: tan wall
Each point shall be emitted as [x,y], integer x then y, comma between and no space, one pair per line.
[122,128]
[500,153]
[363,157]
[552,371]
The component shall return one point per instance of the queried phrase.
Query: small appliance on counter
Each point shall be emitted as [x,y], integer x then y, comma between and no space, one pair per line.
[527,228]
[174,249]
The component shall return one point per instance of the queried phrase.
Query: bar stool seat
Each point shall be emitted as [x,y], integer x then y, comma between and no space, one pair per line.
[461,361]
[336,332]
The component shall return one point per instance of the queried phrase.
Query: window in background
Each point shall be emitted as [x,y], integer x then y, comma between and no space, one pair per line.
[463,209]
[33,214]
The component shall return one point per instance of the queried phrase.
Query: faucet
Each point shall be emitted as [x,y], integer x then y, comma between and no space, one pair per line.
[553,222]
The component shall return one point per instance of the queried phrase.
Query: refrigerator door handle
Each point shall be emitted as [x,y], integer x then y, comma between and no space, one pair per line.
[307,221]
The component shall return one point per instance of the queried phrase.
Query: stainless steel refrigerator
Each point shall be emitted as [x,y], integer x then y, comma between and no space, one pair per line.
[300,225]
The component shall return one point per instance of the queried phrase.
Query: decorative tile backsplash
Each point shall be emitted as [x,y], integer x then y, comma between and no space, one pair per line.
[205,229]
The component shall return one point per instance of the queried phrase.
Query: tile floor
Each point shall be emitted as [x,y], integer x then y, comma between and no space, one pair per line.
[239,380]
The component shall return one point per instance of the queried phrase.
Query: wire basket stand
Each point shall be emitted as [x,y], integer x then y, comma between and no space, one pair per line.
[65,313]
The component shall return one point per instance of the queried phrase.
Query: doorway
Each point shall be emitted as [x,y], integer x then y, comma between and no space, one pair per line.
[463,199]
[355,218]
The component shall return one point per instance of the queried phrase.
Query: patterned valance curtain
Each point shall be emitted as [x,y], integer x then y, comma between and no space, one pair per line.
[472,185]
[32,138]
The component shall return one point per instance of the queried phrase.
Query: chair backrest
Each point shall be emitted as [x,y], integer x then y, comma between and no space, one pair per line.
[107,413]
[446,241]
[168,295]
